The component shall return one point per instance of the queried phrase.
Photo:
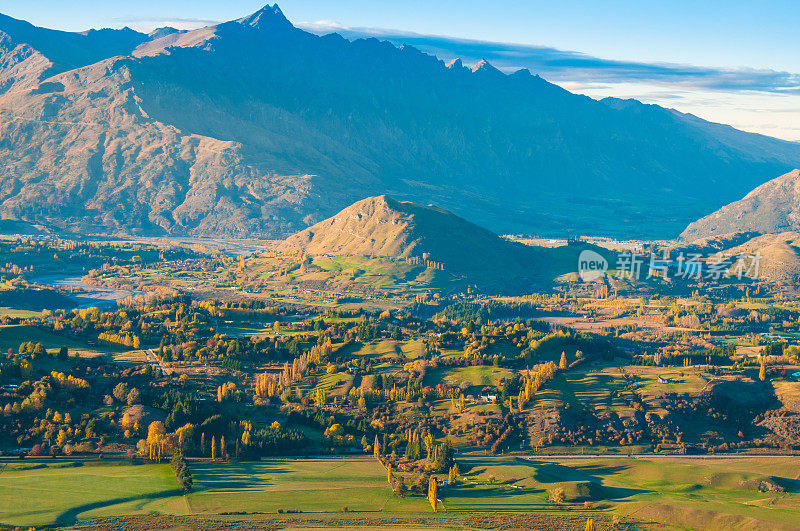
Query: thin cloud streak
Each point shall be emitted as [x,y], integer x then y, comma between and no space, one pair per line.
[563,65]
[149,23]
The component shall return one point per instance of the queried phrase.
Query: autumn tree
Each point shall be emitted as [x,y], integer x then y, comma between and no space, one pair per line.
[156,439]
[562,364]
[428,441]
[432,492]
[452,476]
[121,391]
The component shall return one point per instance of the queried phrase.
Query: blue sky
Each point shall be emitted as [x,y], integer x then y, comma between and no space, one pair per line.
[732,61]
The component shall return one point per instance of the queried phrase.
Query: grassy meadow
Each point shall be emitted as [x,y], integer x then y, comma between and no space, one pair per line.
[61,493]
[679,493]
[656,493]
[12,335]
[311,485]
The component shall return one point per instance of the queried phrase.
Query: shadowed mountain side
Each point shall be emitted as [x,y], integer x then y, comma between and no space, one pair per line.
[383,227]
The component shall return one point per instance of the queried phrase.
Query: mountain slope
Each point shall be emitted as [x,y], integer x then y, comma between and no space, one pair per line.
[256,127]
[773,207]
[779,256]
[386,228]
[383,227]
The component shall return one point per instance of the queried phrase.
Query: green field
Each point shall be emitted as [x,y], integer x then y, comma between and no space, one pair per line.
[311,485]
[657,493]
[383,273]
[12,312]
[684,493]
[12,335]
[475,376]
[59,494]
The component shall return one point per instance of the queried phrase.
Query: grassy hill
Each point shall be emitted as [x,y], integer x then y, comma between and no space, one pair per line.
[779,261]
[769,209]
[381,227]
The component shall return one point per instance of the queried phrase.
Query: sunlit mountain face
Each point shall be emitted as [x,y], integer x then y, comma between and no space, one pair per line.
[256,127]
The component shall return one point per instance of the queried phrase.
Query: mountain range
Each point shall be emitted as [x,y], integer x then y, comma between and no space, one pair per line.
[256,128]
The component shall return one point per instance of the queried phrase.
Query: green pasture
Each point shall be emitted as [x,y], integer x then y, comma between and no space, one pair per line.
[311,485]
[474,376]
[11,336]
[676,492]
[680,492]
[62,494]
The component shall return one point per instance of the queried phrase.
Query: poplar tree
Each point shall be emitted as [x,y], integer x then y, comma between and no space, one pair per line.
[432,492]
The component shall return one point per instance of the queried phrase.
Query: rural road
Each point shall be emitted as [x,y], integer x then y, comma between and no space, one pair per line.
[155,362]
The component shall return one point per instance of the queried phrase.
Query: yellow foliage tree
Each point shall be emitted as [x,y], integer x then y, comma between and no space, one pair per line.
[762,373]
[432,493]
[452,476]
[562,364]
[155,432]
[184,433]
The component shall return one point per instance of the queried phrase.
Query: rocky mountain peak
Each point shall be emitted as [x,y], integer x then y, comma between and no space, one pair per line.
[484,66]
[269,17]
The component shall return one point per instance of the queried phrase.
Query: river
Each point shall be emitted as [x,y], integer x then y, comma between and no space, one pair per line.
[91,295]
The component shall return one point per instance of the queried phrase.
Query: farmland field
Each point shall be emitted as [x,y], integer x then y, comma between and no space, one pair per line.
[12,335]
[312,485]
[656,493]
[687,493]
[476,376]
[60,493]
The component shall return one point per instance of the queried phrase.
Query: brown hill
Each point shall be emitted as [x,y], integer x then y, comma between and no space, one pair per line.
[383,227]
[779,256]
[771,208]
